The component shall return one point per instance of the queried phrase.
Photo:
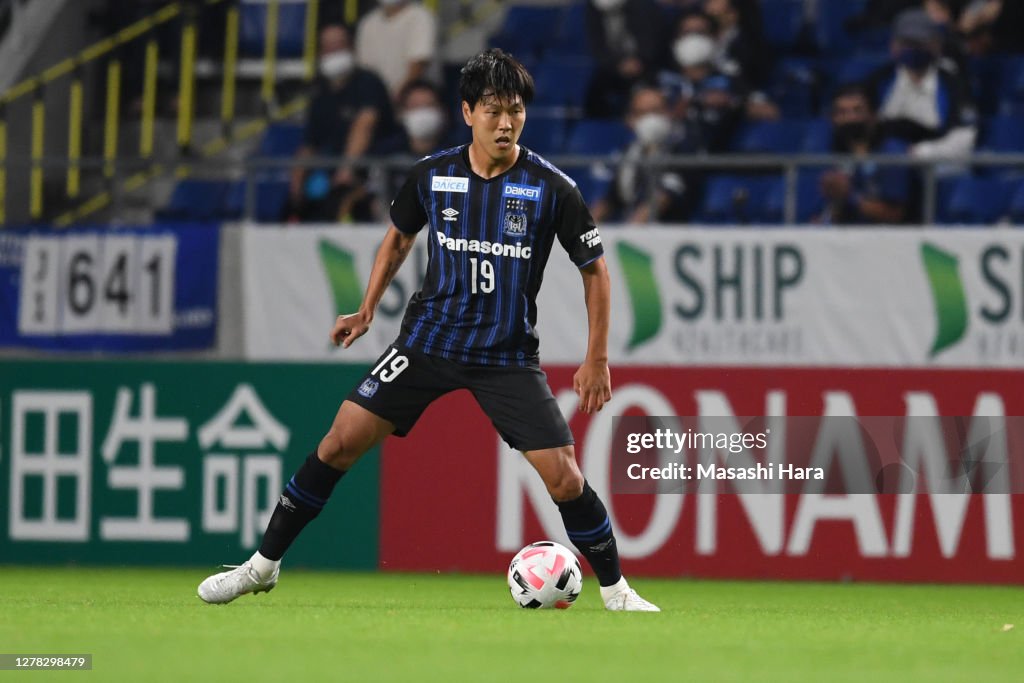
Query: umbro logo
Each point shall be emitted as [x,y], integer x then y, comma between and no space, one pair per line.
[286,503]
[450,214]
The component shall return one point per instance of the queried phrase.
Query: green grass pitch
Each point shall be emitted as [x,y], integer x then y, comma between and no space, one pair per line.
[148,625]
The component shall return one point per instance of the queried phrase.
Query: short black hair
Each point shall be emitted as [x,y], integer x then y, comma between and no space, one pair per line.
[497,73]
[855,90]
[418,84]
[711,21]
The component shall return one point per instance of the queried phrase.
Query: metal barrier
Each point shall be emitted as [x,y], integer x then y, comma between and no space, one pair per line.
[131,174]
[71,71]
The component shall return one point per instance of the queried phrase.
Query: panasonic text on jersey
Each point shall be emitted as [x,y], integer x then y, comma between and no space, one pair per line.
[516,250]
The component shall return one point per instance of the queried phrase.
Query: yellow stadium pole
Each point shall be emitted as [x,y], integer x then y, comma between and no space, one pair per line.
[110,127]
[3,165]
[309,48]
[186,88]
[270,55]
[227,103]
[351,12]
[149,98]
[35,208]
[75,136]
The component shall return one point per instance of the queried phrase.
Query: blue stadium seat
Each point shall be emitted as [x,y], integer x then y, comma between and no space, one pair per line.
[808,197]
[593,182]
[271,197]
[527,30]
[1002,134]
[830,34]
[291,33]
[795,85]
[1011,101]
[592,136]
[783,22]
[197,200]
[770,137]
[1016,208]
[996,85]
[562,82]
[970,200]
[739,200]
[281,140]
[856,68]
[817,137]
[570,40]
[544,134]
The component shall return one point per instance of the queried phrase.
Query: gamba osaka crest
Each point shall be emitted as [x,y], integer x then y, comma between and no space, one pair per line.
[515,224]
[515,212]
[368,388]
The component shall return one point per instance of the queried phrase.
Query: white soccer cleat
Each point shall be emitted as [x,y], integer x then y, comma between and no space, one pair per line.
[629,601]
[226,586]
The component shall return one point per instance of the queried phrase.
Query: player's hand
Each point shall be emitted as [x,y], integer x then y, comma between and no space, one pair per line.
[593,384]
[348,328]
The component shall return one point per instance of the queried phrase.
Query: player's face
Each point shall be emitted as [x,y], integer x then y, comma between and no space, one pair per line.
[497,124]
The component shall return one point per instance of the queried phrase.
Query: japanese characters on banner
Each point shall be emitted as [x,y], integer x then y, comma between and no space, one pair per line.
[151,288]
[809,534]
[893,298]
[169,463]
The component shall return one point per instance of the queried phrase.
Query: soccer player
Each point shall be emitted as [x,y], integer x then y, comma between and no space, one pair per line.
[492,210]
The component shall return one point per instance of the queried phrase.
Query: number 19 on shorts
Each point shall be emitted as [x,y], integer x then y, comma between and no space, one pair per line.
[481,276]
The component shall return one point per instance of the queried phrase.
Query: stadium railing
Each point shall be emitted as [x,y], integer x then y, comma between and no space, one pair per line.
[128,174]
[71,72]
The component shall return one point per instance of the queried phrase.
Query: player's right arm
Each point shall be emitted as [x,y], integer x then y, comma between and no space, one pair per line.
[390,256]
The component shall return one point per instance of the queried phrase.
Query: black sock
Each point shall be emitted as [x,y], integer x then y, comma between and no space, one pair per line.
[303,498]
[586,521]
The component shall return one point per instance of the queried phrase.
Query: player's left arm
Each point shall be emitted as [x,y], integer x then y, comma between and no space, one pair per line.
[592,382]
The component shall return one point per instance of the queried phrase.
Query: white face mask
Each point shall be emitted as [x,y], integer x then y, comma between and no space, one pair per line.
[337,64]
[423,122]
[693,49]
[607,5]
[652,129]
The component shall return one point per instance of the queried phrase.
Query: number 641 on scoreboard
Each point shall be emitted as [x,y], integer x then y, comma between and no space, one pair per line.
[97,284]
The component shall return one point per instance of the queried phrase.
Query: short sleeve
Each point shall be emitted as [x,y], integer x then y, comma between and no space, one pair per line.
[407,210]
[422,43]
[576,229]
[373,94]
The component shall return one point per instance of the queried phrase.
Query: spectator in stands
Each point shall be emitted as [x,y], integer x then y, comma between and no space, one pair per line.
[865,192]
[423,119]
[943,13]
[398,40]
[878,14]
[924,99]
[710,101]
[639,193]
[993,26]
[350,114]
[741,50]
[423,131]
[629,44]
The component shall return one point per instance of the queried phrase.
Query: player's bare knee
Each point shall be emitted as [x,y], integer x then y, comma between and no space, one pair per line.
[567,486]
[335,452]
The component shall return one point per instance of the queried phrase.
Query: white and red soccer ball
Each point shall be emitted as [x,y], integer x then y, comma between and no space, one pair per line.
[545,574]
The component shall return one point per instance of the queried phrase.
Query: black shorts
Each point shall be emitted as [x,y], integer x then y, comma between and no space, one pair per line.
[403,382]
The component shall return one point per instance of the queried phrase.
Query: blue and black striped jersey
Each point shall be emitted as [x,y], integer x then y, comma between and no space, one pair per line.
[489,240]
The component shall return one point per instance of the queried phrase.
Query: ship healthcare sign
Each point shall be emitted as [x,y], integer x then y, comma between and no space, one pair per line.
[139,289]
[899,298]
